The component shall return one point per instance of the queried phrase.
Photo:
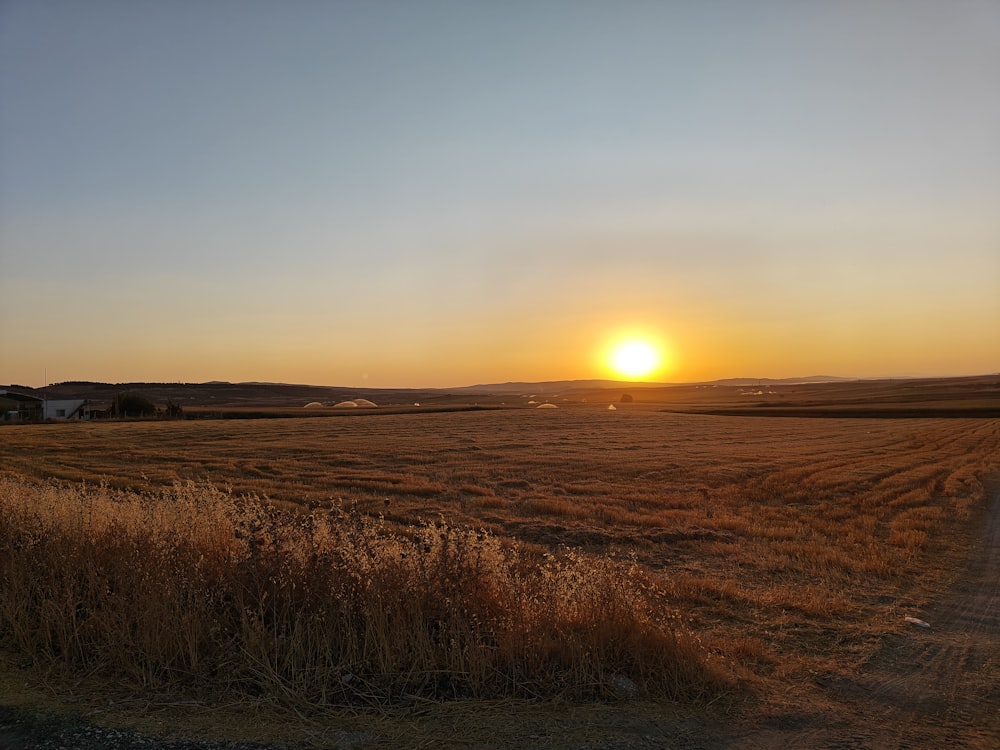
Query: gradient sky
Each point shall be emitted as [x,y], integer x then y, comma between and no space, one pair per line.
[441,193]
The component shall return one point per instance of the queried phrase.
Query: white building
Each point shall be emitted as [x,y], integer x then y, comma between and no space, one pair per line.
[26,407]
[71,408]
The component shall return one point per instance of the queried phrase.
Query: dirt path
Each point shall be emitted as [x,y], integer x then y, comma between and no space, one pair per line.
[944,681]
[925,687]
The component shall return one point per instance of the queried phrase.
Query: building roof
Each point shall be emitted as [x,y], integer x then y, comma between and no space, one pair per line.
[25,397]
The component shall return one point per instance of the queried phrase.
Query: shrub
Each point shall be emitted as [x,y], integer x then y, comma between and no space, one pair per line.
[132,405]
[173,411]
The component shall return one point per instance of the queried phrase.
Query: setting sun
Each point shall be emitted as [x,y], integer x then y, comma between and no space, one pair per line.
[635,358]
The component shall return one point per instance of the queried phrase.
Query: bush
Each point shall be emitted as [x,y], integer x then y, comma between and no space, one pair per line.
[132,405]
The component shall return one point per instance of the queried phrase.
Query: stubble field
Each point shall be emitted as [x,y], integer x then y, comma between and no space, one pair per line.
[787,552]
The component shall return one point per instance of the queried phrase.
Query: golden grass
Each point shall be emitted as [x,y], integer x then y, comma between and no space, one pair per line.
[789,545]
[197,587]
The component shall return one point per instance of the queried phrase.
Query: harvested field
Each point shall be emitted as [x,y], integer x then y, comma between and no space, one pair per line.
[792,549]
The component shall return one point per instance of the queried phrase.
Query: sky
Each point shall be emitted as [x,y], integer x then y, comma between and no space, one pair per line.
[440,193]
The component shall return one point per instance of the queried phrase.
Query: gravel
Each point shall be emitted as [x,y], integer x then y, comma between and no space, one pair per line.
[23,731]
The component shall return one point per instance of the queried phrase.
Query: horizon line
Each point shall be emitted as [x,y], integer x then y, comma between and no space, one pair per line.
[733,380]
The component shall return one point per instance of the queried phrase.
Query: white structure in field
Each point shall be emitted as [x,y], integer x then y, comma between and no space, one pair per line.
[70,408]
[27,407]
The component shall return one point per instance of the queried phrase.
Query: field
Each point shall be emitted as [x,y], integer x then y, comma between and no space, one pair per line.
[779,557]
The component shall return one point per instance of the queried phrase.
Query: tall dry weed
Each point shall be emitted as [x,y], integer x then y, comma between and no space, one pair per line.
[195,586]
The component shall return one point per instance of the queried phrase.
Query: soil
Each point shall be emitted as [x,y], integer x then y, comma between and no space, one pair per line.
[936,686]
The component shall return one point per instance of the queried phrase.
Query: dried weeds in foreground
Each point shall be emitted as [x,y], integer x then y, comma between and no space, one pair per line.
[197,587]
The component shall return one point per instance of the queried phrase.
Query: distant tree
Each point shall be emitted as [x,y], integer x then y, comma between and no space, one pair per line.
[132,405]
[626,398]
[174,411]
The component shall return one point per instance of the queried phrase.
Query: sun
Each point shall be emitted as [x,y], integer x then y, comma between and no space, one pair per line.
[634,358]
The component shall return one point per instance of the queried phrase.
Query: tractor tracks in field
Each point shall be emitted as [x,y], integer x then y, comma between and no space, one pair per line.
[943,682]
[938,684]
[935,686]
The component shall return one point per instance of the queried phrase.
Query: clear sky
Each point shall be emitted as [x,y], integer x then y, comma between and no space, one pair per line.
[434,193]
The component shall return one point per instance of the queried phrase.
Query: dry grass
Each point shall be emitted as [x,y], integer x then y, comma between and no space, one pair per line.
[790,545]
[198,587]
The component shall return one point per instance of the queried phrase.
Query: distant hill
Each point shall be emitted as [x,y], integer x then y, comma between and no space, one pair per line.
[779,381]
[225,394]
[550,386]
[559,386]
[744,395]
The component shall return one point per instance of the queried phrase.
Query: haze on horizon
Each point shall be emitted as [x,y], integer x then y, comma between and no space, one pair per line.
[442,193]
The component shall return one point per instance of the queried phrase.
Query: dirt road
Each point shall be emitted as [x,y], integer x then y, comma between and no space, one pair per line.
[936,686]
[943,682]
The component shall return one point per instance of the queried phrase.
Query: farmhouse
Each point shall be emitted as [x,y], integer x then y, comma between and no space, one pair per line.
[26,407]
[20,407]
